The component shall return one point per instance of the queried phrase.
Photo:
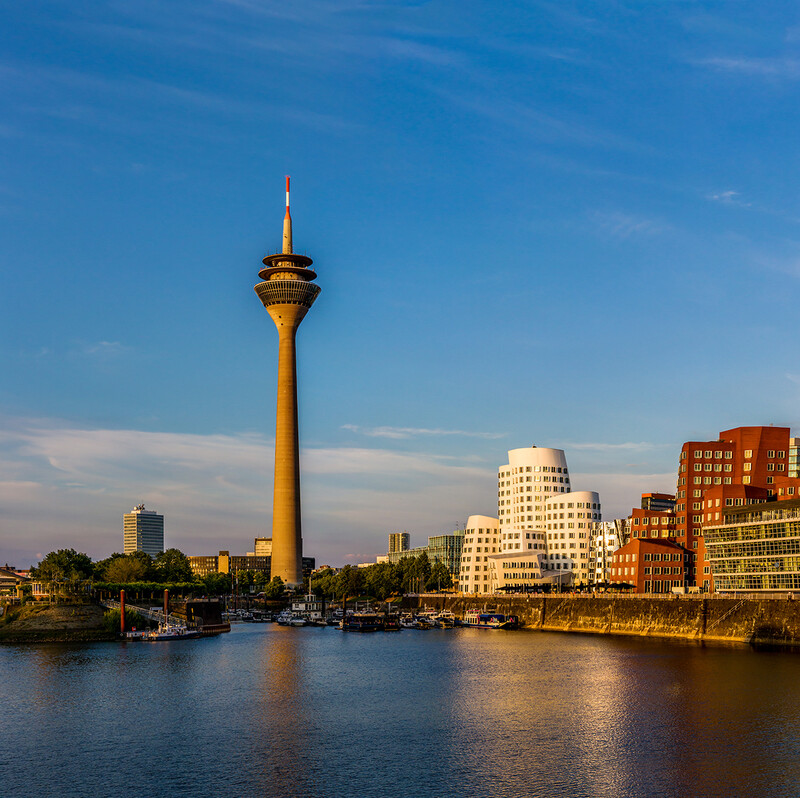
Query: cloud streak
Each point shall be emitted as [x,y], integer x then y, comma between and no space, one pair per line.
[788,68]
[69,486]
[624,225]
[729,198]
[61,486]
[402,433]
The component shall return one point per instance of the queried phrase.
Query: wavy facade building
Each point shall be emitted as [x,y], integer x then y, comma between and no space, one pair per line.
[569,529]
[481,541]
[532,546]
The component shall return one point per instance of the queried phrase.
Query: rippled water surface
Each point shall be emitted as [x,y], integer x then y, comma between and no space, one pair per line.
[273,711]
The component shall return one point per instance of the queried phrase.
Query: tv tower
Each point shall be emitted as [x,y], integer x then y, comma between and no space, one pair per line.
[287,293]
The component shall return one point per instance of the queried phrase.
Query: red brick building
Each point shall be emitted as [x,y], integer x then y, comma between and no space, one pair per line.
[786,488]
[651,566]
[652,523]
[749,456]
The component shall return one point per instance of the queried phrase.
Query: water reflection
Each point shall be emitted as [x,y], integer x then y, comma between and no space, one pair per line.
[314,712]
[283,710]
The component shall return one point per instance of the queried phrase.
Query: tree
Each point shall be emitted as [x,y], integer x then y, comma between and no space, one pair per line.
[439,578]
[126,569]
[64,569]
[217,584]
[246,578]
[349,581]
[323,583]
[274,589]
[172,565]
[134,567]
[379,580]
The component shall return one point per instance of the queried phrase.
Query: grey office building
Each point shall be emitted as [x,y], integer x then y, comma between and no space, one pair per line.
[143,530]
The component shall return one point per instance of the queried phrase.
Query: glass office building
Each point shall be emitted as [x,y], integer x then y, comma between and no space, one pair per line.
[756,547]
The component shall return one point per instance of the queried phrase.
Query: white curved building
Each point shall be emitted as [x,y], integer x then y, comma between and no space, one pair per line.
[531,476]
[569,519]
[542,531]
[481,540]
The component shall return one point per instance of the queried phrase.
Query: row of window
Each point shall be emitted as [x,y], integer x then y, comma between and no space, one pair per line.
[537,469]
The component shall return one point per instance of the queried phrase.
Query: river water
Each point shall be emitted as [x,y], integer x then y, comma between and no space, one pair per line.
[274,711]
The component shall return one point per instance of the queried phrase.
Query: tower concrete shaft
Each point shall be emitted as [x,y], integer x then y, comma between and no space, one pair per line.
[287,292]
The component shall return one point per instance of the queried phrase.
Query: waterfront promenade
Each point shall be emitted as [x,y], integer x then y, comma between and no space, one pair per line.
[735,619]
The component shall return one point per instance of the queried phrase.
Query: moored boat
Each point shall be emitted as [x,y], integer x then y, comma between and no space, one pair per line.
[391,622]
[446,619]
[169,631]
[361,622]
[489,620]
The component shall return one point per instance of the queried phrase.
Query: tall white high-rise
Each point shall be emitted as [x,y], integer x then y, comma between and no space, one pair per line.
[531,476]
[569,528]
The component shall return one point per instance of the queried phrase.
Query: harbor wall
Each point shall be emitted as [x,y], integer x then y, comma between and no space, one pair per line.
[765,621]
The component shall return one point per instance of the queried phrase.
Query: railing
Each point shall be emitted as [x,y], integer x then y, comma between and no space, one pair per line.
[725,615]
[153,615]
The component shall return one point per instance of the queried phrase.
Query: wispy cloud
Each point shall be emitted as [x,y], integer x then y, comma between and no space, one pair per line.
[729,197]
[788,68]
[640,446]
[104,349]
[625,225]
[59,483]
[398,433]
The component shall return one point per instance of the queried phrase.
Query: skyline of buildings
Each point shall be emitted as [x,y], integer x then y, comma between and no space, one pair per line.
[546,533]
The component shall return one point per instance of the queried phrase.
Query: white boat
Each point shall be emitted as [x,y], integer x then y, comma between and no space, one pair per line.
[169,631]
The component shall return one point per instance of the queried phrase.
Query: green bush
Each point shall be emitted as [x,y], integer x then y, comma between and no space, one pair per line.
[111,620]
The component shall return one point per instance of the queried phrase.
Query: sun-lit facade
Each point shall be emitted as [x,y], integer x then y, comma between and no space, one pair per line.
[605,537]
[569,524]
[143,530]
[524,547]
[756,547]
[481,541]
[524,484]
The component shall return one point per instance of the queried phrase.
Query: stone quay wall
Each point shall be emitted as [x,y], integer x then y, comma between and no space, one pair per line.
[765,621]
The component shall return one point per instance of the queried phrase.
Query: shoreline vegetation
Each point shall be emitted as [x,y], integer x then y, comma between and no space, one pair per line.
[60,623]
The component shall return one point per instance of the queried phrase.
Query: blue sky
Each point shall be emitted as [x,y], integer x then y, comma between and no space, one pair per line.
[574,224]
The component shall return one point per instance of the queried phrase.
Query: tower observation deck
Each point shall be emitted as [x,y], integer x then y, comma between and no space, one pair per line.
[287,292]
